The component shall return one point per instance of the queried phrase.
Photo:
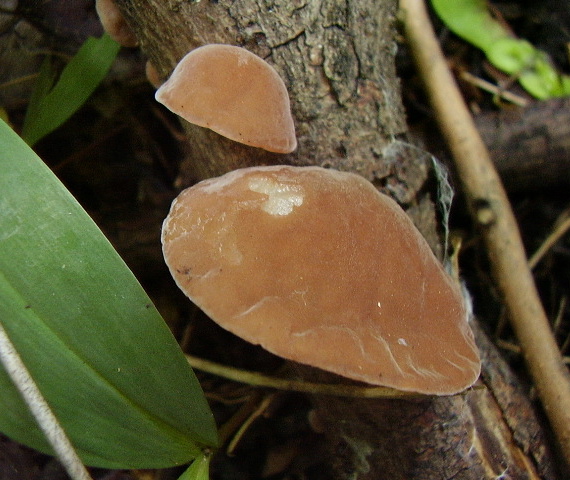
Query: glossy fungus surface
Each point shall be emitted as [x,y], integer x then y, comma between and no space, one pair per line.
[318,267]
[233,92]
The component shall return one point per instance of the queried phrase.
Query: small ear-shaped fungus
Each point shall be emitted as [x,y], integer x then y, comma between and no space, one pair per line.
[233,92]
[152,74]
[318,267]
[114,24]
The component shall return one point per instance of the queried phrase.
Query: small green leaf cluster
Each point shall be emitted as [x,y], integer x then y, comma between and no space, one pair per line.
[471,20]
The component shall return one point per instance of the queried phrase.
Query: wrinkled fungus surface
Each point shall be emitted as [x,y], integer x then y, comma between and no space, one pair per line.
[318,267]
[233,92]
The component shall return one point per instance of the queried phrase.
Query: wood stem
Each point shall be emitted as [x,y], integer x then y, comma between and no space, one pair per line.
[492,213]
[259,380]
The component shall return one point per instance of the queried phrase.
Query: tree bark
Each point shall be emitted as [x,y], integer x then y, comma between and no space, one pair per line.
[530,146]
[337,60]
[488,432]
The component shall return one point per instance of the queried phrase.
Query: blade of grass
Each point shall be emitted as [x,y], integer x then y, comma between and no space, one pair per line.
[45,80]
[50,107]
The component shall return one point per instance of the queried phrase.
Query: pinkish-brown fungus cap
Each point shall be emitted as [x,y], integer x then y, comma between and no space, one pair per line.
[318,267]
[114,23]
[233,92]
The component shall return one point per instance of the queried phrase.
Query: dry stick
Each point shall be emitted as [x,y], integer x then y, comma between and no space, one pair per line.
[558,232]
[39,408]
[260,409]
[494,89]
[260,380]
[491,210]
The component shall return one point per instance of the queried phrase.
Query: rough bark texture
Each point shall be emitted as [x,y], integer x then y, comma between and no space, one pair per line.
[337,60]
[488,432]
[530,146]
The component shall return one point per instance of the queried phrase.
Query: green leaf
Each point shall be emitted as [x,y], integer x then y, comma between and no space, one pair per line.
[199,470]
[50,108]
[44,83]
[511,55]
[471,20]
[92,340]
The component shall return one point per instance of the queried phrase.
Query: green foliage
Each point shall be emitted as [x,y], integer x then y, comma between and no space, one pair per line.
[199,470]
[471,20]
[89,335]
[51,105]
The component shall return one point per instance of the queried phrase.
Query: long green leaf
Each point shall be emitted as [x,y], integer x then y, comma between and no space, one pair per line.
[42,86]
[91,338]
[49,109]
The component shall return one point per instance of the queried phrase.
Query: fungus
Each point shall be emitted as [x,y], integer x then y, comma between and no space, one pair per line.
[114,23]
[318,267]
[233,92]
[152,74]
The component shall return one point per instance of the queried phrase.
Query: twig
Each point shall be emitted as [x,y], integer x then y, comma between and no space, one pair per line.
[491,210]
[17,81]
[494,89]
[260,380]
[229,428]
[511,347]
[260,409]
[558,232]
[39,408]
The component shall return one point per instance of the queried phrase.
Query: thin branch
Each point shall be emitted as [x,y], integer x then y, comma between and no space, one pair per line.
[492,212]
[494,89]
[260,380]
[260,409]
[39,408]
[558,232]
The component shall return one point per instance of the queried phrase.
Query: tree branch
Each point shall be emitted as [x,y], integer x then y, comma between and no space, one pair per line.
[491,211]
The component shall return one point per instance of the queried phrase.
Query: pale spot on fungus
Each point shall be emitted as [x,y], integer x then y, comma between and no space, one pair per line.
[335,276]
[233,92]
[281,198]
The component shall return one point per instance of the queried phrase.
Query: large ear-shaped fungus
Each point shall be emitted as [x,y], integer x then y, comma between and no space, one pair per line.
[318,267]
